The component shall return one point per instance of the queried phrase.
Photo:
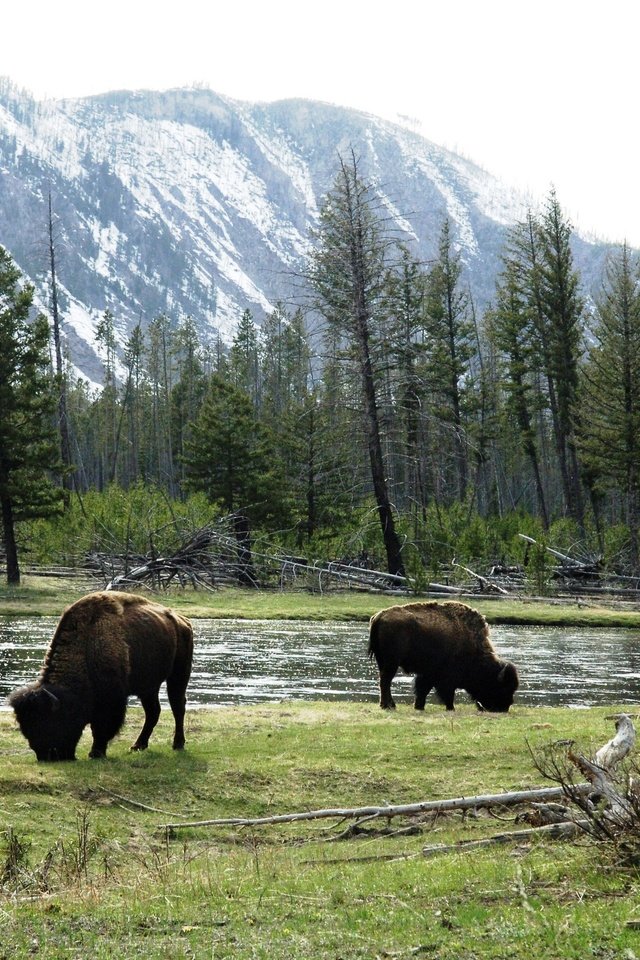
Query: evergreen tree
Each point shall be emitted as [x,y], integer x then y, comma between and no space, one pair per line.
[560,328]
[189,390]
[28,440]
[133,403]
[403,359]
[160,372]
[63,420]
[228,455]
[449,338]
[244,361]
[106,408]
[512,326]
[347,272]
[610,422]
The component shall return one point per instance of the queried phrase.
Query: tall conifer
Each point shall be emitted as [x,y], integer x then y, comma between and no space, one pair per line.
[28,440]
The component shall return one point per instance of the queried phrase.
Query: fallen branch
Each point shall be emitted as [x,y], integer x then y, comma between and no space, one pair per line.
[572,562]
[136,803]
[406,809]
[558,831]
[607,810]
[620,745]
[485,584]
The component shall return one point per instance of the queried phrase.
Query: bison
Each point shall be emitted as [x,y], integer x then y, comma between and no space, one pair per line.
[447,646]
[106,647]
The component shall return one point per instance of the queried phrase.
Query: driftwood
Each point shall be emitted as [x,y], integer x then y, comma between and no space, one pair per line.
[484,582]
[221,554]
[598,806]
[610,755]
[570,567]
[558,831]
[406,809]
[607,810]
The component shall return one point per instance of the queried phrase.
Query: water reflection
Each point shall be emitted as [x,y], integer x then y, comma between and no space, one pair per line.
[239,661]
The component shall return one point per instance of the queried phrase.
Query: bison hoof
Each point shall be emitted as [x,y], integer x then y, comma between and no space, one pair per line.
[97,754]
[139,746]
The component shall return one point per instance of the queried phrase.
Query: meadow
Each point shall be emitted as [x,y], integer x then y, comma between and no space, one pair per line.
[88,868]
[47,596]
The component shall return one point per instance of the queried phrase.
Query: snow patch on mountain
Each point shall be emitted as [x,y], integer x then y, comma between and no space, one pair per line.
[191,204]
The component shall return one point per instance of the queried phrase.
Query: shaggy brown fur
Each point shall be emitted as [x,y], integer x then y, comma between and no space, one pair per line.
[107,646]
[447,646]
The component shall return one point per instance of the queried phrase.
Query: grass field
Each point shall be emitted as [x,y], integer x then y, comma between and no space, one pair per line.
[86,869]
[48,596]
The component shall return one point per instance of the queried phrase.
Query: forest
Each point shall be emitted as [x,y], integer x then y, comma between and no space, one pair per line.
[381,421]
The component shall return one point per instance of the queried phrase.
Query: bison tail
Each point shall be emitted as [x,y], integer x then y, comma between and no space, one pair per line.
[372,650]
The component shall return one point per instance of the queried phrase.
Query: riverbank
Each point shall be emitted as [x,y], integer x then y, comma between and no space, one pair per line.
[87,870]
[40,596]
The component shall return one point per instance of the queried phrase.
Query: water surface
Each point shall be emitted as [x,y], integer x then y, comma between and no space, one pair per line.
[253,661]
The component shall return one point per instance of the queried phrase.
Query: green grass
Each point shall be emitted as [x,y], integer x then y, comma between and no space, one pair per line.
[39,596]
[84,872]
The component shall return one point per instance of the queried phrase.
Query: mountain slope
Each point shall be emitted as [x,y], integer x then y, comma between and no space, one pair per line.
[189,203]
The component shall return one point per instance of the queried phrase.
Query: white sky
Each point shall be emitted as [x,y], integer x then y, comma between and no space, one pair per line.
[538,93]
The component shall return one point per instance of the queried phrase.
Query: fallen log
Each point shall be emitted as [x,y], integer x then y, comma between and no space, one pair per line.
[572,562]
[407,809]
[561,823]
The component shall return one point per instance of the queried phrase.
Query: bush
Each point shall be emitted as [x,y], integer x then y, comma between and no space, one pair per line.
[139,520]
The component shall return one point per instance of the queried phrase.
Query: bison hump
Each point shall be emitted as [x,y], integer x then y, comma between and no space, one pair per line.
[449,617]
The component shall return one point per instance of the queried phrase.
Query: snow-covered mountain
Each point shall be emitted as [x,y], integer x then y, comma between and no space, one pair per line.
[188,203]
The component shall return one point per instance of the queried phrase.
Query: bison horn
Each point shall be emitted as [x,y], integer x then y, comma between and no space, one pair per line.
[56,701]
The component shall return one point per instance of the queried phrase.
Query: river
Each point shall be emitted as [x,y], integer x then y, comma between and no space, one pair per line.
[254,661]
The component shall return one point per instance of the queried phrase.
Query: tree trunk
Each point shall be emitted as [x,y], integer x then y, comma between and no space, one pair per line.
[361,318]
[63,420]
[385,510]
[9,537]
[246,571]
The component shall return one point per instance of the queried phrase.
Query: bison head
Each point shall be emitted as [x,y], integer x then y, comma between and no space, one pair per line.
[497,692]
[47,718]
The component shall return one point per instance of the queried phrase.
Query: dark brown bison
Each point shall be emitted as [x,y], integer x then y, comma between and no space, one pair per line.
[106,647]
[447,646]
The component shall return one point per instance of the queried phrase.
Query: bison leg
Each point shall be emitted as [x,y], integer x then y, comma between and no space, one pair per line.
[177,699]
[422,686]
[105,727]
[386,676]
[151,705]
[446,694]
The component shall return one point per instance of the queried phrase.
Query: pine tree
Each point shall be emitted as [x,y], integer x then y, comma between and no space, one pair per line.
[189,391]
[512,326]
[404,354]
[228,455]
[133,403]
[106,407]
[449,339]
[560,328]
[160,371]
[610,422]
[28,439]
[347,272]
[63,419]
[244,361]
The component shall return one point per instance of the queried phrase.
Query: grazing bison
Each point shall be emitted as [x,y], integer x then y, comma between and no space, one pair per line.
[107,646]
[447,646]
